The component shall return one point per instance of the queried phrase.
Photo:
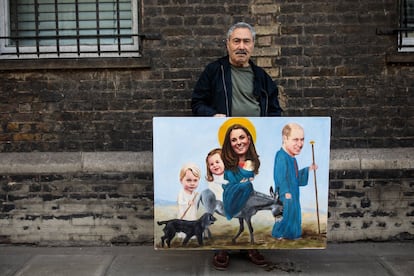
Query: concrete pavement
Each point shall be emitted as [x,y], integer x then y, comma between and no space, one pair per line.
[359,258]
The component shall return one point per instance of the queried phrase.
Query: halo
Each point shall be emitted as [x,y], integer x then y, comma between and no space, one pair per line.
[241,121]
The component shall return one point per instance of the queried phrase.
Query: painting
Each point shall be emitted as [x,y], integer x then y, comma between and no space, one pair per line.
[240,182]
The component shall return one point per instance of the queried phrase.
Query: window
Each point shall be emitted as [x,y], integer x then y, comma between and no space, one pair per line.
[406,26]
[68,28]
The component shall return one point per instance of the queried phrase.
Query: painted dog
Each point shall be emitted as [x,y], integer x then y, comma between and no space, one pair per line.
[189,227]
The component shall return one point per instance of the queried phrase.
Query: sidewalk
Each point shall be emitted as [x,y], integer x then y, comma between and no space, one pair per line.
[362,258]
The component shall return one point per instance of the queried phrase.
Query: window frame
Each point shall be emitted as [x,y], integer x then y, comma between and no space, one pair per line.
[406,29]
[64,51]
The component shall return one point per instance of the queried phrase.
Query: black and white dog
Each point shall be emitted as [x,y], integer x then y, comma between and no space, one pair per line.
[189,227]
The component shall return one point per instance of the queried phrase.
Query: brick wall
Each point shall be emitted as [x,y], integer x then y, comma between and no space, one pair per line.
[325,56]
[371,205]
[371,195]
[76,198]
[333,63]
[104,198]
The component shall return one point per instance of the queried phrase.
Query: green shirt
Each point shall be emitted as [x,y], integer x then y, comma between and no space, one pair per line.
[244,104]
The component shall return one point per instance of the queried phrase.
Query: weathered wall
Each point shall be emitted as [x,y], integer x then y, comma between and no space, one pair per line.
[333,63]
[371,195]
[76,198]
[106,198]
[325,55]
[326,58]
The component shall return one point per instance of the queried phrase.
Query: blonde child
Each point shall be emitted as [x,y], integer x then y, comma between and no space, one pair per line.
[187,197]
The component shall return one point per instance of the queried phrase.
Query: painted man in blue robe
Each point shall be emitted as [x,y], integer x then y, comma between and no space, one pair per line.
[288,178]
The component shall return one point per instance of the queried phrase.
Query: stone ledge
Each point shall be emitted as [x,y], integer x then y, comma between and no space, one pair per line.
[71,162]
[372,159]
[120,161]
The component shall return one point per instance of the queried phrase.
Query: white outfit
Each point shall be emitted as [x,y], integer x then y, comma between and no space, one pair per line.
[183,201]
[216,185]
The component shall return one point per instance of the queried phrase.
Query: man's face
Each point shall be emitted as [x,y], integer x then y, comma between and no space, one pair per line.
[240,47]
[294,143]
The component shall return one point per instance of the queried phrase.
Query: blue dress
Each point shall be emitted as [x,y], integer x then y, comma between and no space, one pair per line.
[287,180]
[236,194]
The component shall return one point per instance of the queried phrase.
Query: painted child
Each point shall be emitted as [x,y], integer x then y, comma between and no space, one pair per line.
[187,197]
[215,173]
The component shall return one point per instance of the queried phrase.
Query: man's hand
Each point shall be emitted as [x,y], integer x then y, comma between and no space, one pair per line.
[313,167]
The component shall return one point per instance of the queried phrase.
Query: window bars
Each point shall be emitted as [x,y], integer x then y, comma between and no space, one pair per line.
[73,28]
[406,24]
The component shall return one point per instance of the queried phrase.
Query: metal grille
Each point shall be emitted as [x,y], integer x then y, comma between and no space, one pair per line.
[72,28]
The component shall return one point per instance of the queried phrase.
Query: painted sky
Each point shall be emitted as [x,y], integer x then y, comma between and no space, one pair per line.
[179,140]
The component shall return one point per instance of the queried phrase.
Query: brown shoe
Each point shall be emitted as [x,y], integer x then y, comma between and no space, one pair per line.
[256,258]
[221,260]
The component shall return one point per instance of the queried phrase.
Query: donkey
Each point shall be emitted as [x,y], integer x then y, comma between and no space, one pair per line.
[256,202]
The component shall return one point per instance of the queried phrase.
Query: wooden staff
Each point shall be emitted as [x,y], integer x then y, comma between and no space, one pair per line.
[189,206]
[316,186]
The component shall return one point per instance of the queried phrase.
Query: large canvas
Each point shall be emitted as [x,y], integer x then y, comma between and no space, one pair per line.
[181,146]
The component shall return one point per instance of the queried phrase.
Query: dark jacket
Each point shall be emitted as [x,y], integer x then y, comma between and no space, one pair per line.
[213,91]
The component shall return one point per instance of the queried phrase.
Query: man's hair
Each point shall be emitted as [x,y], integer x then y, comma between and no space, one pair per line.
[287,129]
[241,25]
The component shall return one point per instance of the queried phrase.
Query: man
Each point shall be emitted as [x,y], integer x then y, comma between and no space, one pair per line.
[234,86]
[288,178]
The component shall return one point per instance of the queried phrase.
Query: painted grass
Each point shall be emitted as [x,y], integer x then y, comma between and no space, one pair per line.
[223,231]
